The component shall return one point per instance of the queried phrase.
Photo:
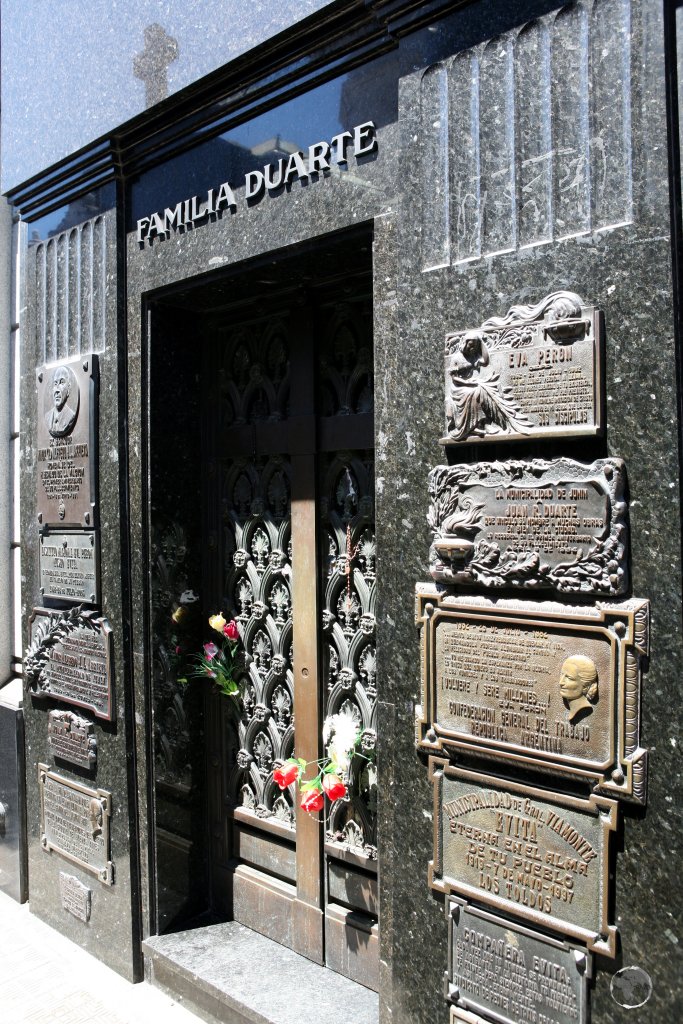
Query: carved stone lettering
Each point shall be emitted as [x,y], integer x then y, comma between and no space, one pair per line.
[557,525]
[66,440]
[529,852]
[550,686]
[69,658]
[76,897]
[72,738]
[508,972]
[75,822]
[535,372]
[69,566]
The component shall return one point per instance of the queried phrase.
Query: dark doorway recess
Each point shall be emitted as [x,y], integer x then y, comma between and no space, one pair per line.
[261,489]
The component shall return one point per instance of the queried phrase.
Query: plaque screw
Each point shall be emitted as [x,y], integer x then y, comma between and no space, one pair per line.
[86,517]
[42,591]
[618,776]
[620,628]
[65,543]
[580,961]
[429,608]
[92,598]
[85,365]
[40,378]
[92,540]
[40,517]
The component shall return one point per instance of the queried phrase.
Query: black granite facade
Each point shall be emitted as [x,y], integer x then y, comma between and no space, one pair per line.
[521,149]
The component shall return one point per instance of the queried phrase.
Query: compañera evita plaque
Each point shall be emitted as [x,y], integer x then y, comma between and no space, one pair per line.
[535,524]
[526,851]
[542,684]
[536,372]
[510,973]
[66,454]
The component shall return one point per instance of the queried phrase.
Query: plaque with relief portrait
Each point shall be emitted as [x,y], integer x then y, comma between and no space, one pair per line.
[66,442]
[545,685]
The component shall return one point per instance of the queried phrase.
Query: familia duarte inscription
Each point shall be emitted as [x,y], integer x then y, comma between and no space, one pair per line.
[318,160]
[66,452]
[547,685]
[535,372]
[526,851]
[69,659]
[559,525]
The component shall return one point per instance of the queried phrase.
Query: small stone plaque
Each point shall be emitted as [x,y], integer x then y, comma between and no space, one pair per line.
[72,738]
[75,822]
[547,685]
[69,566]
[76,897]
[533,373]
[558,525]
[66,442]
[69,658]
[511,974]
[525,851]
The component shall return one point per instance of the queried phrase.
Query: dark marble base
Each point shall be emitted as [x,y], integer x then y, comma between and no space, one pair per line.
[226,972]
[13,859]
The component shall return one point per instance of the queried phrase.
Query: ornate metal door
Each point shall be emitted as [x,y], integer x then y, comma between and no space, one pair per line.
[288,430]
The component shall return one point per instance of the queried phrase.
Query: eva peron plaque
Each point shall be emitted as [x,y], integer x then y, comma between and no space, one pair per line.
[510,973]
[69,566]
[531,524]
[75,822]
[535,372]
[528,852]
[541,684]
[69,659]
[66,442]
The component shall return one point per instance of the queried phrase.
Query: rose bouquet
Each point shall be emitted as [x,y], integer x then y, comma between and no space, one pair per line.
[342,739]
[219,663]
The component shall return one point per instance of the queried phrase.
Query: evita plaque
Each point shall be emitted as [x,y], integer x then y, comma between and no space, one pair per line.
[69,565]
[558,525]
[72,738]
[525,851]
[546,685]
[66,442]
[532,373]
[69,658]
[75,822]
[510,973]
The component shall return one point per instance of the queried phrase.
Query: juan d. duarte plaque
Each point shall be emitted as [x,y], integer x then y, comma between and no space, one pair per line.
[69,566]
[69,659]
[66,442]
[72,738]
[535,372]
[540,683]
[75,823]
[512,974]
[526,851]
[559,525]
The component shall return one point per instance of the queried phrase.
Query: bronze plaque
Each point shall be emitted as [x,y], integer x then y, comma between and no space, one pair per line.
[526,851]
[66,442]
[558,525]
[512,974]
[536,372]
[547,685]
[76,897]
[69,658]
[72,738]
[69,566]
[75,822]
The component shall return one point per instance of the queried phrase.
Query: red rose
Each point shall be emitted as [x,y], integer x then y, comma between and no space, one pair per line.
[231,631]
[312,801]
[334,787]
[286,774]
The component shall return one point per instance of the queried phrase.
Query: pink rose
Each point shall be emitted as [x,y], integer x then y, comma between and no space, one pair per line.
[210,650]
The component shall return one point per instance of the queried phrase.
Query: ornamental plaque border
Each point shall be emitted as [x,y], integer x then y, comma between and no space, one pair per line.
[457,910]
[625,625]
[36,657]
[599,938]
[104,799]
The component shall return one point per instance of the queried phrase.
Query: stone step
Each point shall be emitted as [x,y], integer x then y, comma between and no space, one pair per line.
[229,973]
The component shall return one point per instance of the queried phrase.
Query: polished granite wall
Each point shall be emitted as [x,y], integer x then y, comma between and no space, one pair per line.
[504,178]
